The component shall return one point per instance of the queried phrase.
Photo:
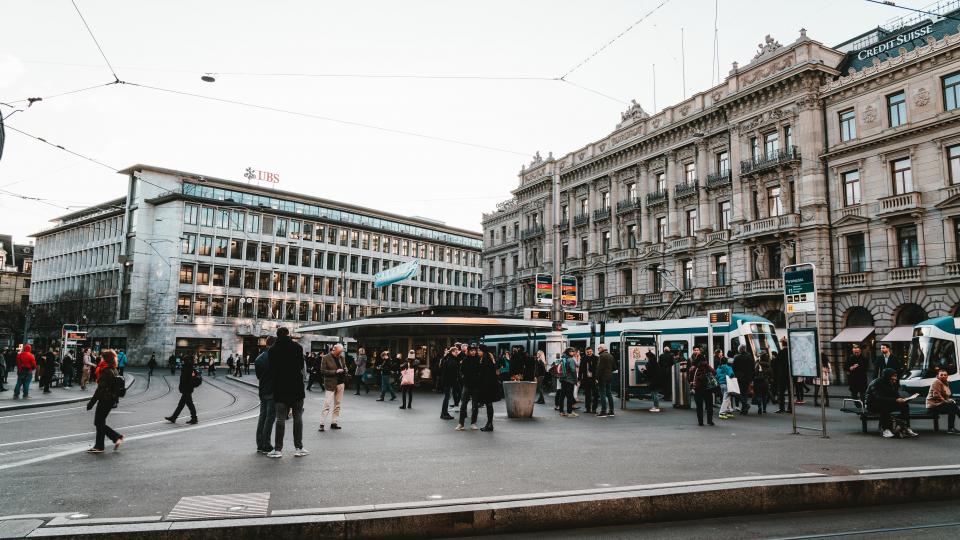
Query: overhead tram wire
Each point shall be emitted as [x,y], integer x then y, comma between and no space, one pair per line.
[32,100]
[44,141]
[95,41]
[915,10]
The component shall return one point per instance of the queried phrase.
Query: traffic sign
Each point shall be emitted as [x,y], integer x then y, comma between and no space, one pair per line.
[568,291]
[800,291]
[544,289]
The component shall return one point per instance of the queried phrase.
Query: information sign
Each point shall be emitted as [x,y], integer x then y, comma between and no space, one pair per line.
[544,289]
[800,291]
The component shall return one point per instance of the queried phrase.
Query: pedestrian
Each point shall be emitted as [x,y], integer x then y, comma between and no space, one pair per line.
[651,372]
[724,373]
[172,363]
[151,365]
[887,360]
[940,401]
[26,365]
[408,373]
[238,372]
[268,408]
[703,382]
[540,373]
[503,366]
[387,367]
[121,361]
[470,376]
[587,375]
[66,367]
[246,364]
[489,388]
[313,371]
[286,368]
[762,382]
[449,378]
[781,374]
[359,370]
[88,367]
[334,369]
[110,388]
[568,379]
[49,367]
[189,380]
[606,365]
[211,367]
[229,364]
[823,381]
[743,367]
[857,369]
[665,363]
[883,398]
[3,369]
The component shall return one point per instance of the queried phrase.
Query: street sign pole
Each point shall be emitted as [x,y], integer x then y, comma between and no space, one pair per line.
[800,296]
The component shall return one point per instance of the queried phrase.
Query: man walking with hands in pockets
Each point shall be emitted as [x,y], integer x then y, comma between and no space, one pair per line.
[334,369]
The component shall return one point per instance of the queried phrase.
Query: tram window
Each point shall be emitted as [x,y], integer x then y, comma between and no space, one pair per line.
[679,348]
[701,341]
[579,344]
[931,355]
[735,344]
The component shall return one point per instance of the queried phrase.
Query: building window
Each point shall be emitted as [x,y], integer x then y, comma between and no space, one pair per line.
[788,136]
[953,163]
[661,229]
[897,108]
[902,176]
[723,162]
[951,91]
[720,263]
[775,268]
[774,202]
[203,275]
[656,281]
[223,219]
[688,274]
[206,216]
[724,207]
[661,183]
[848,125]
[956,237]
[221,249]
[564,251]
[584,207]
[564,214]
[856,253]
[189,245]
[691,222]
[632,191]
[584,246]
[909,248]
[206,245]
[690,173]
[601,286]
[631,236]
[605,242]
[605,198]
[184,304]
[186,274]
[771,144]
[253,223]
[219,276]
[190,212]
[851,188]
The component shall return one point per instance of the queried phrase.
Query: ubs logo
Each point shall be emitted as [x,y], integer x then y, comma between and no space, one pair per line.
[262,176]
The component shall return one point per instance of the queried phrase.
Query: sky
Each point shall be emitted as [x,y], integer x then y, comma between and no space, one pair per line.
[337,137]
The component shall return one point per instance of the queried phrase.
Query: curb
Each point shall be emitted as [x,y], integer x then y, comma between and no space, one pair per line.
[541,512]
[37,404]
[241,381]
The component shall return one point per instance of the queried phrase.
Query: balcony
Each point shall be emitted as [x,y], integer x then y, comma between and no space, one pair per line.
[655,249]
[573,265]
[719,180]
[596,303]
[628,205]
[718,236]
[683,191]
[762,286]
[850,281]
[652,299]
[581,220]
[532,232]
[769,225]
[898,204]
[597,259]
[717,293]
[657,198]
[526,273]
[904,275]
[686,243]
[601,214]
[564,224]
[621,300]
[852,211]
[952,269]
[623,255]
[778,158]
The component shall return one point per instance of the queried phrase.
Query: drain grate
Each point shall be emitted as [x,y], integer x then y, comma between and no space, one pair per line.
[220,506]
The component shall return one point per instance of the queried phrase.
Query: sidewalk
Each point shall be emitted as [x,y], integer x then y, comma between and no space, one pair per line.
[57,395]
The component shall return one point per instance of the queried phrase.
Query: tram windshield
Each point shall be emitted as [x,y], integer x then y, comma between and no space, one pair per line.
[928,355]
[762,338]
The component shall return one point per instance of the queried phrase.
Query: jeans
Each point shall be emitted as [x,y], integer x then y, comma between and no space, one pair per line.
[23,381]
[358,380]
[185,399]
[100,421]
[268,415]
[466,397]
[386,386]
[67,379]
[447,390]
[655,396]
[783,396]
[590,395]
[951,409]
[606,396]
[566,389]
[886,414]
[457,393]
[406,393]
[283,412]
[331,399]
[704,398]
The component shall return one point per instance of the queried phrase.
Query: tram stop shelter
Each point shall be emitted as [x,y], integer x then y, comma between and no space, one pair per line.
[427,331]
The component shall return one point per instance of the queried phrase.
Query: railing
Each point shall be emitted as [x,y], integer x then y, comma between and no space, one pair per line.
[719,236]
[767,225]
[601,214]
[655,249]
[597,303]
[623,255]
[913,273]
[953,191]
[759,163]
[855,211]
[564,224]
[621,300]
[717,293]
[657,197]
[899,203]
[532,232]
[597,258]
[682,191]
[627,205]
[652,298]
[953,269]
[682,244]
[581,219]
[763,286]
[859,279]
[526,273]
[719,180]
[572,265]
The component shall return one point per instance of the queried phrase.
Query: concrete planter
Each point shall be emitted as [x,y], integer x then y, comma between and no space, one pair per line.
[519,396]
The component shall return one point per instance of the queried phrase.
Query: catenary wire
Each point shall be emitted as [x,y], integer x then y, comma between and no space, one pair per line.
[97,43]
[32,100]
[915,10]
[44,141]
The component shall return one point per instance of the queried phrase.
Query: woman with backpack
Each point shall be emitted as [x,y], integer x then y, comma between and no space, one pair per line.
[110,388]
[189,379]
[408,371]
[703,381]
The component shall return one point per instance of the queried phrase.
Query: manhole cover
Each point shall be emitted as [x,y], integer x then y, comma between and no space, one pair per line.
[831,470]
[218,506]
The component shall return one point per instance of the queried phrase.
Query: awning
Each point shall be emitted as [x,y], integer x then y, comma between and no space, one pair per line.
[854,334]
[899,333]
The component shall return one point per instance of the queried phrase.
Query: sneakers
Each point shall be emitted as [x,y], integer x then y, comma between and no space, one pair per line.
[887,434]
[94,450]
[601,414]
[563,414]
[610,414]
[117,443]
[474,427]
[573,415]
[321,428]
[301,452]
[655,409]
[334,426]
[275,454]
[459,427]
[953,431]
[911,433]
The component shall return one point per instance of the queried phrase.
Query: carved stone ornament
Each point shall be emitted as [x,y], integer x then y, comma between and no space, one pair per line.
[602,146]
[685,109]
[633,114]
[870,114]
[717,96]
[768,46]
[921,98]
[656,122]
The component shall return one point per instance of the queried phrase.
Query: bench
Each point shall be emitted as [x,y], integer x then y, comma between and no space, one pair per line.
[855,406]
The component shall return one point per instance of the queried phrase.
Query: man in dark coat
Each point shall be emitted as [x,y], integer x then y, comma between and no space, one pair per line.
[743,367]
[654,378]
[488,388]
[523,365]
[665,368]
[588,380]
[188,381]
[883,398]
[888,361]
[286,368]
[781,377]
[470,377]
[449,378]
[606,365]
[857,369]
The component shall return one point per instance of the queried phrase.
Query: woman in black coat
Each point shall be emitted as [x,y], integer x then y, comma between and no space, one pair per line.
[488,389]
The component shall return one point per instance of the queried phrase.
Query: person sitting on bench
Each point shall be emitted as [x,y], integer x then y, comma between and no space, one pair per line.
[940,401]
[883,398]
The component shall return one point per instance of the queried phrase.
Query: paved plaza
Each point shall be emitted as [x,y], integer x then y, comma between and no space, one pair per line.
[386,455]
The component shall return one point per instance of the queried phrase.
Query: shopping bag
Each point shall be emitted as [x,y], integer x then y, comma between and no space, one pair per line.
[733,386]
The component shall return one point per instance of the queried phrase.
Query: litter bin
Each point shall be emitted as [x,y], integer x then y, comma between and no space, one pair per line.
[519,396]
[681,386]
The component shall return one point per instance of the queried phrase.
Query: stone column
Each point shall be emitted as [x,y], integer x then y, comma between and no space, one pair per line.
[673,172]
[614,219]
[705,222]
[548,226]
[574,249]
[738,207]
[892,260]
[921,244]
[592,228]
[643,188]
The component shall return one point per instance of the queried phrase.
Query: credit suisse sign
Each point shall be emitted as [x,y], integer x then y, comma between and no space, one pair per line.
[895,41]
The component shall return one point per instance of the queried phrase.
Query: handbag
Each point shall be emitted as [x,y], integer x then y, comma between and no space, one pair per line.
[733,386]
[407,377]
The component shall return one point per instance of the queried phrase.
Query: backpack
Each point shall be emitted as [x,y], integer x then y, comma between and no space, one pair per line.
[118,387]
[196,378]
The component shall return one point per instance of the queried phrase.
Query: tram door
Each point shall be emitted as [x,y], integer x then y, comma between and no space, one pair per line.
[634,347]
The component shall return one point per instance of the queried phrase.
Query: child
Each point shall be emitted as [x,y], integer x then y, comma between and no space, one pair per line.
[724,371]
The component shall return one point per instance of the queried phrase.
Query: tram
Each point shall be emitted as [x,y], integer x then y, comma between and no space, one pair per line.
[933,348]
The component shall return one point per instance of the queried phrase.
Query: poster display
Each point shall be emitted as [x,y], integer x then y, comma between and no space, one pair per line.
[804,352]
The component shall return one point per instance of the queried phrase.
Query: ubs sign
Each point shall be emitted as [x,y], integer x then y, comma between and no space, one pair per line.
[896,41]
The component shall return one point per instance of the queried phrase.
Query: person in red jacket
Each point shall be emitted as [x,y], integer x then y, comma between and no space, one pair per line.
[26,364]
